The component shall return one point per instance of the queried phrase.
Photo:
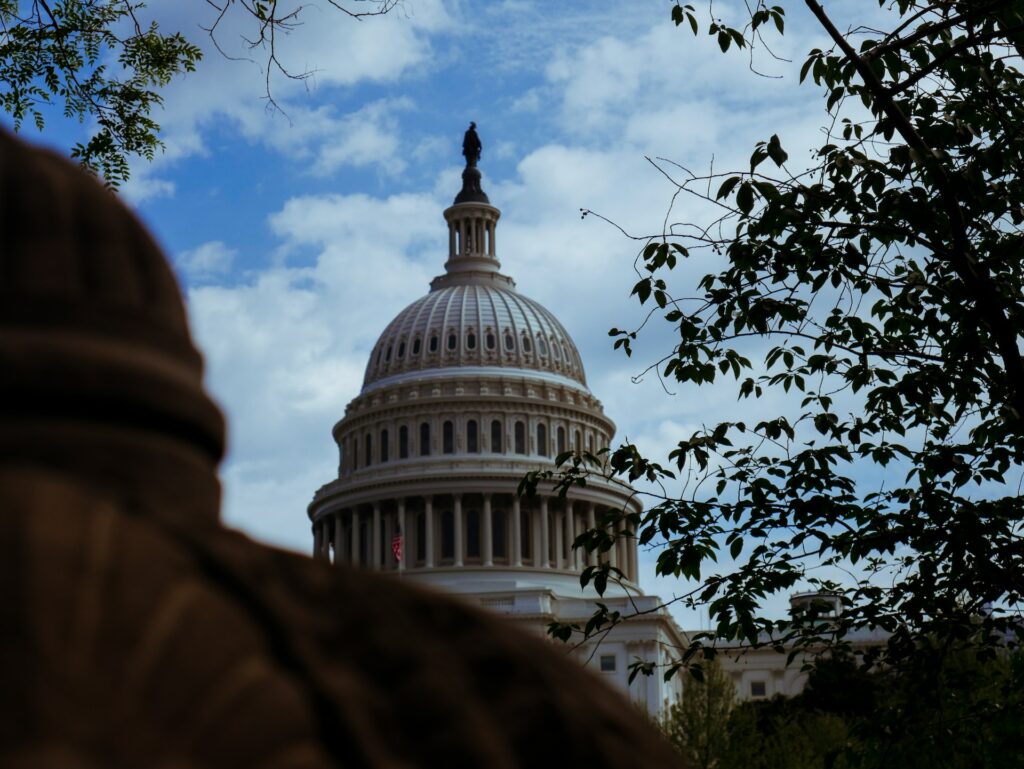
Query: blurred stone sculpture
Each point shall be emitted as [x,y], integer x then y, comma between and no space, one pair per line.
[137,631]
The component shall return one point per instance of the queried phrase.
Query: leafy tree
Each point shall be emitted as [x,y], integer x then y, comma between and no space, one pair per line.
[878,297]
[697,725]
[99,61]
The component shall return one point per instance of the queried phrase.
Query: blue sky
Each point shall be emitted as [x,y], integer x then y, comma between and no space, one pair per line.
[299,233]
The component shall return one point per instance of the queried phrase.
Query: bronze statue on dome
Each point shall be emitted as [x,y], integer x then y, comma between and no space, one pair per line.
[471,146]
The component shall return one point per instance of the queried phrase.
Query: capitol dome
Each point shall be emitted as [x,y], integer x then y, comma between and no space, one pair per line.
[467,389]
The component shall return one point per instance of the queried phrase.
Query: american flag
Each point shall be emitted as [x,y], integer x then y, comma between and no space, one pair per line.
[396,545]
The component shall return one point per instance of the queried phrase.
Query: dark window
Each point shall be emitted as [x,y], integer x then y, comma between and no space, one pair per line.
[607,663]
[510,342]
[401,350]
[425,440]
[470,341]
[557,350]
[499,526]
[527,345]
[542,346]
[758,689]
[452,341]
[368,456]
[433,342]
[387,355]
[472,534]
[491,341]
[379,353]
[403,442]
[496,436]
[421,536]
[520,438]
[542,440]
[384,446]
[472,439]
[524,534]
[448,438]
[447,535]
[577,444]
[416,346]
[561,439]
[590,443]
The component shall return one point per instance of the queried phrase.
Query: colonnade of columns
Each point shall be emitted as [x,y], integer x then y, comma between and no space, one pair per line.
[466,529]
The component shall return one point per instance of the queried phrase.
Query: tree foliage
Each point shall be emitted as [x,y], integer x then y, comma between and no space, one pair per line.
[101,62]
[872,304]
[698,725]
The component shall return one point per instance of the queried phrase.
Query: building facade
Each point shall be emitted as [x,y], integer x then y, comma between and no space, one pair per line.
[469,388]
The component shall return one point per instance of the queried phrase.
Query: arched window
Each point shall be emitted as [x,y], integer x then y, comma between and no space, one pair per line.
[403,442]
[560,439]
[472,437]
[379,353]
[490,340]
[590,443]
[448,438]
[401,350]
[520,438]
[496,436]
[542,440]
[472,534]
[447,535]
[425,439]
[452,341]
[368,455]
[387,355]
[557,350]
[510,342]
[416,346]
[525,532]
[384,446]
[470,341]
[527,345]
[499,524]
[433,343]
[577,444]
[542,346]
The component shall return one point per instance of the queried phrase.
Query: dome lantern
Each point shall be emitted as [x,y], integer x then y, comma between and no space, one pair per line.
[472,220]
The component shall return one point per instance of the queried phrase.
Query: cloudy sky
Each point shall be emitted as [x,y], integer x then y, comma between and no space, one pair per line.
[299,232]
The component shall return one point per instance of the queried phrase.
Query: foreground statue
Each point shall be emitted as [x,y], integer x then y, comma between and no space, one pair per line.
[137,631]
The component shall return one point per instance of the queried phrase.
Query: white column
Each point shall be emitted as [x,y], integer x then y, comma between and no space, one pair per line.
[559,539]
[488,536]
[339,540]
[458,523]
[634,542]
[591,524]
[401,531]
[375,538]
[545,543]
[354,534]
[428,515]
[318,533]
[613,554]
[517,533]
[574,555]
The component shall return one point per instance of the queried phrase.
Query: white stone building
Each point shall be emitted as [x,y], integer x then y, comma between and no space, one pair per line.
[467,389]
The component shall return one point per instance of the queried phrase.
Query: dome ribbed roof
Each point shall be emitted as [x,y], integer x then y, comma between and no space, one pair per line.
[474,325]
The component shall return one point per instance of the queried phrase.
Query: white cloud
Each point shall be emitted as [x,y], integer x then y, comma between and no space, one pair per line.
[209,260]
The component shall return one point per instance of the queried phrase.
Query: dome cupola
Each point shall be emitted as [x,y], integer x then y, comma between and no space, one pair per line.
[466,390]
